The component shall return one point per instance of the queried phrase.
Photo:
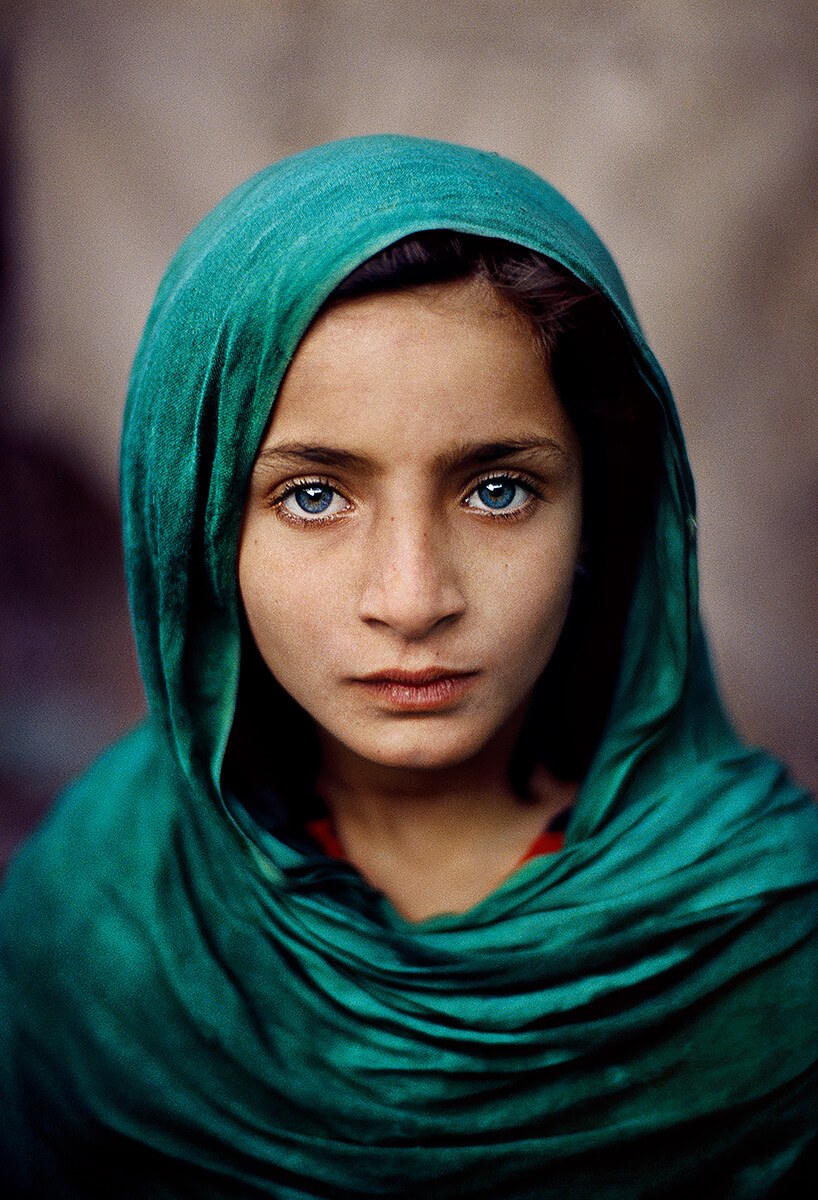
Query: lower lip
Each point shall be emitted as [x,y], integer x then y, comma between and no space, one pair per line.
[419,697]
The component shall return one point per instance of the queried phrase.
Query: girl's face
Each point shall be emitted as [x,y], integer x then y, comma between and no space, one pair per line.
[412,526]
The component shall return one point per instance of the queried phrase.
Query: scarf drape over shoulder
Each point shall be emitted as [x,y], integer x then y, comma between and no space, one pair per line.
[194,1008]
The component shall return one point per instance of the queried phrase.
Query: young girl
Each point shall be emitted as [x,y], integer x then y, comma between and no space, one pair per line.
[437,870]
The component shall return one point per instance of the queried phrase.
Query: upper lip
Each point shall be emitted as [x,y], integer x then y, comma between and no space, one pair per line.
[412,678]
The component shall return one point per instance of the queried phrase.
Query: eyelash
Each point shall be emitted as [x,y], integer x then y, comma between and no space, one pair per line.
[519,480]
[277,502]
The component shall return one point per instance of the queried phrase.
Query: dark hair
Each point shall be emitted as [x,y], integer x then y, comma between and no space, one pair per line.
[617,421]
[543,292]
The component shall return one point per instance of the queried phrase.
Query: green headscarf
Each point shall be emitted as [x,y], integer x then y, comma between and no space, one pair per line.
[195,1008]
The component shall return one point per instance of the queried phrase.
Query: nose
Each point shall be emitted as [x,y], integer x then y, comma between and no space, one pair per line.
[410,580]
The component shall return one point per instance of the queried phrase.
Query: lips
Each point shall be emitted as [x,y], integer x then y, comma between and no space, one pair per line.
[417,691]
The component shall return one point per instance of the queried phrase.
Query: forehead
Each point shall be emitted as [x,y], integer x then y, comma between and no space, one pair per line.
[415,367]
[468,304]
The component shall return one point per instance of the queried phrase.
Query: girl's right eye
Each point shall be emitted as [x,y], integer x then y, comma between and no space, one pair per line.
[310,500]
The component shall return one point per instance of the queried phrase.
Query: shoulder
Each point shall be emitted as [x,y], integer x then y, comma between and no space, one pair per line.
[82,877]
[101,824]
[76,945]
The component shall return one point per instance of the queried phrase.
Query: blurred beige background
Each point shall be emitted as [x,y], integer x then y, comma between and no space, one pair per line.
[687,132]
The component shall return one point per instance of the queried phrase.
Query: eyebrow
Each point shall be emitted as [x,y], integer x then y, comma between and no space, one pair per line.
[304,453]
[459,457]
[467,454]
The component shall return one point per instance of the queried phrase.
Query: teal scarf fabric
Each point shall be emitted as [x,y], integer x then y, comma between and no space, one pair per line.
[195,1008]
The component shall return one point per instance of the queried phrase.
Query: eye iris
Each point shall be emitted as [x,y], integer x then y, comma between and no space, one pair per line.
[313,497]
[497,493]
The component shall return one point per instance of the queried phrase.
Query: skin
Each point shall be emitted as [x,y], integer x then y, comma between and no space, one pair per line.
[416,506]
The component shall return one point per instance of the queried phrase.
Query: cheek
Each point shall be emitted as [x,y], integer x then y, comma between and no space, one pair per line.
[549,599]
[291,608]
[270,598]
[533,601]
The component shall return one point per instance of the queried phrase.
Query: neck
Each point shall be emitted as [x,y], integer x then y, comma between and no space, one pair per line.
[456,814]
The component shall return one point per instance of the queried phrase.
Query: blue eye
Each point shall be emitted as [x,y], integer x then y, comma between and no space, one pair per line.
[499,494]
[313,498]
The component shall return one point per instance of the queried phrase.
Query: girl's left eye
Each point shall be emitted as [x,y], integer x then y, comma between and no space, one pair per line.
[311,500]
[499,494]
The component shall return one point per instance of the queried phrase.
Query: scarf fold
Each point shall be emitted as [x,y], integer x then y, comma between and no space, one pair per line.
[194,1007]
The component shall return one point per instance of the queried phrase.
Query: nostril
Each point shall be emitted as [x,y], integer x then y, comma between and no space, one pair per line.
[410,578]
[410,604]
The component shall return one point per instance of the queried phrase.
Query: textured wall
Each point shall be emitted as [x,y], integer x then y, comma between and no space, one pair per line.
[686,132]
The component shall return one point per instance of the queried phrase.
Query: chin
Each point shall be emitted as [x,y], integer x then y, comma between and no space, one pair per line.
[420,760]
[428,751]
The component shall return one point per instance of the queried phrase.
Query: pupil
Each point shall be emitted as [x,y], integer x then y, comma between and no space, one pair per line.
[497,493]
[314,497]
